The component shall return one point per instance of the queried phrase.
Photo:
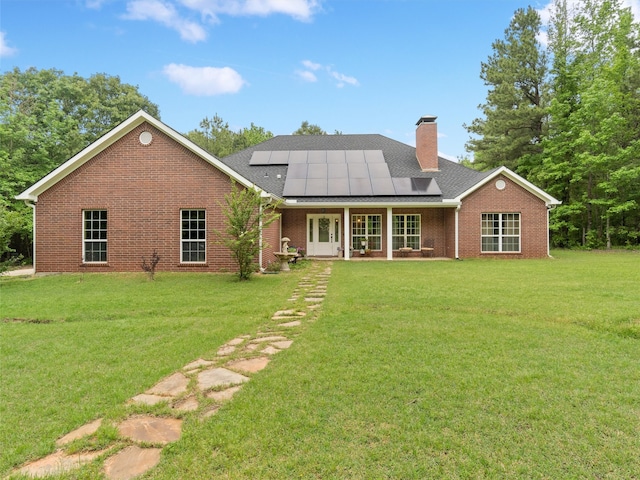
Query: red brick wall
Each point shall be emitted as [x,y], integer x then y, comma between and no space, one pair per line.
[143,189]
[513,199]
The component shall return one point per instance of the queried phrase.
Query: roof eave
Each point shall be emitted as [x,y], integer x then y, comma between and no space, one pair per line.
[370,204]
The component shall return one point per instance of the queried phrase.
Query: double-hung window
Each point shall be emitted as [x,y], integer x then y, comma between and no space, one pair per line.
[406,231]
[194,236]
[367,229]
[95,236]
[500,232]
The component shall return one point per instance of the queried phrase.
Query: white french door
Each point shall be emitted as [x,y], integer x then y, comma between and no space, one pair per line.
[323,234]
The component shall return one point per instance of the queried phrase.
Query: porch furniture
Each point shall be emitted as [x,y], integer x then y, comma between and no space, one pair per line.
[404,251]
[427,248]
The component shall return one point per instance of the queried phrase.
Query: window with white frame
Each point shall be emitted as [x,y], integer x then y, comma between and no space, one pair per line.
[500,232]
[193,236]
[367,229]
[406,231]
[95,236]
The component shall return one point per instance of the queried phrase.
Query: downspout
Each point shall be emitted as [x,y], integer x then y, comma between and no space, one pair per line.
[29,203]
[260,239]
[347,244]
[457,232]
[389,233]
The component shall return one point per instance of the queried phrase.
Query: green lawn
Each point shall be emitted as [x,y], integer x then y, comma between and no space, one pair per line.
[472,369]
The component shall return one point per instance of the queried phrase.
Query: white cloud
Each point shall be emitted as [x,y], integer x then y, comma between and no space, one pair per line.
[299,9]
[344,79]
[307,76]
[5,49]
[204,81]
[310,65]
[166,14]
[340,78]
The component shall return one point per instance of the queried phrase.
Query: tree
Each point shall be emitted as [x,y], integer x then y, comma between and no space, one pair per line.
[512,126]
[246,214]
[45,118]
[591,151]
[217,138]
[309,129]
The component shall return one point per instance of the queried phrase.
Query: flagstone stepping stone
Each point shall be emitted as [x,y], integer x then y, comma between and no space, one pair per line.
[57,463]
[283,344]
[188,404]
[198,364]
[224,395]
[252,347]
[295,323]
[313,299]
[270,350]
[151,429]
[235,341]
[289,313]
[218,377]
[147,399]
[268,339]
[83,431]
[171,386]
[225,350]
[250,365]
[131,462]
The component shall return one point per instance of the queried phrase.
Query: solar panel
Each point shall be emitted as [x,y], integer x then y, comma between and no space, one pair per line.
[337,170]
[374,156]
[297,156]
[297,170]
[335,156]
[260,158]
[279,158]
[382,186]
[338,187]
[317,156]
[360,187]
[316,187]
[358,170]
[317,170]
[342,173]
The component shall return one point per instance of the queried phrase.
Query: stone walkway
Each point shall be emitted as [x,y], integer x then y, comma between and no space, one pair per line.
[199,388]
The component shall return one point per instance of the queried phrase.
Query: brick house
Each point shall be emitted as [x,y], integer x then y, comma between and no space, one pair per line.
[144,187]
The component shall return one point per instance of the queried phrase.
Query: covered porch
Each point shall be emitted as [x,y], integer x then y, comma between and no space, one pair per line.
[372,233]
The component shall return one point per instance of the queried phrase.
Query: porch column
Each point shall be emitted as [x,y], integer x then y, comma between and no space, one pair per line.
[346,245]
[389,233]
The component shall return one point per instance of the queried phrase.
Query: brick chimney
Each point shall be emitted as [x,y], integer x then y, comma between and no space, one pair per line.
[427,143]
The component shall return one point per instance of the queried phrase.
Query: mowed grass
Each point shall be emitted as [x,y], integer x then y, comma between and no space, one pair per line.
[75,347]
[472,369]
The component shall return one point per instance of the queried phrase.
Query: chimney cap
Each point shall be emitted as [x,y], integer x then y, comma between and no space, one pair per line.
[426,119]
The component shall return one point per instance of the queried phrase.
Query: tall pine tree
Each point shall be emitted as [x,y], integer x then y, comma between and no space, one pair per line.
[511,129]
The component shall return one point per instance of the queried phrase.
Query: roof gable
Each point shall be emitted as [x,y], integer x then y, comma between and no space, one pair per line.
[522,182]
[111,137]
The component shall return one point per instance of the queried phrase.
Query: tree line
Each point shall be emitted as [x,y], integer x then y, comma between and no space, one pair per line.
[565,114]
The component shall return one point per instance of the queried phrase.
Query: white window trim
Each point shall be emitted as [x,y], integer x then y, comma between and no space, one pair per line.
[183,241]
[366,233]
[404,235]
[501,235]
[85,241]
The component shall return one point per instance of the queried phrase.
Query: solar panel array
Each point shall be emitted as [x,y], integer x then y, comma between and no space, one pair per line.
[341,173]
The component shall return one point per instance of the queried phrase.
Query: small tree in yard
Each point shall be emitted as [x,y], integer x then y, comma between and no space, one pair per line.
[245,215]
[150,267]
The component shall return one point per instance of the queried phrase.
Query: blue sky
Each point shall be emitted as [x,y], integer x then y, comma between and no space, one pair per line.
[357,66]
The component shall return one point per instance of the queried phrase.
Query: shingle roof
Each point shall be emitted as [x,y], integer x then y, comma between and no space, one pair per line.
[452,177]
